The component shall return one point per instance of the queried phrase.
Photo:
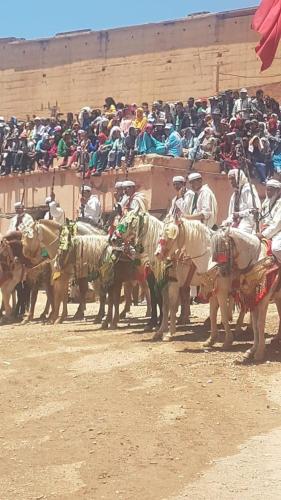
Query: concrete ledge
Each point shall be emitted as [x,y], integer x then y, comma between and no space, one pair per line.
[153,175]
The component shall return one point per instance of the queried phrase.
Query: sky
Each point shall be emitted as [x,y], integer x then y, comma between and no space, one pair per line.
[33,19]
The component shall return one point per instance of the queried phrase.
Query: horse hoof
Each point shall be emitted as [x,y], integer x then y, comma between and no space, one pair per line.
[149,328]
[104,326]
[97,320]
[249,354]
[227,345]
[58,321]
[78,317]
[25,321]
[209,343]
[259,357]
[167,338]
[123,315]
[157,336]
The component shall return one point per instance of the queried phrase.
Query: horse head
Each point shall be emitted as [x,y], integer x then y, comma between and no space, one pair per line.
[128,230]
[167,244]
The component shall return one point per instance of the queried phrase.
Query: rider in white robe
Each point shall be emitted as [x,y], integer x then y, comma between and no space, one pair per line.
[90,206]
[133,200]
[204,203]
[182,203]
[21,220]
[271,217]
[241,206]
[55,212]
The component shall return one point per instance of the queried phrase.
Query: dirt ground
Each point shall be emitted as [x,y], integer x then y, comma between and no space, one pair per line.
[87,414]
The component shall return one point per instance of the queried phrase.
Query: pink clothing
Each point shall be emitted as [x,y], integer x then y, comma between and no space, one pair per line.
[125,124]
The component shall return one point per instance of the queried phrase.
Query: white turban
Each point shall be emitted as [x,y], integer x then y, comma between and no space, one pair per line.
[86,189]
[119,184]
[273,183]
[19,204]
[194,176]
[178,178]
[239,175]
[127,184]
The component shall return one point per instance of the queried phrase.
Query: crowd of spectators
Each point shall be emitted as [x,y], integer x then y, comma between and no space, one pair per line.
[232,128]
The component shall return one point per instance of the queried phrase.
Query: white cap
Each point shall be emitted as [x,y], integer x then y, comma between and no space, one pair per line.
[119,184]
[243,91]
[232,172]
[273,183]
[2,119]
[194,176]
[127,184]
[18,204]
[37,118]
[86,189]
[48,200]
[178,178]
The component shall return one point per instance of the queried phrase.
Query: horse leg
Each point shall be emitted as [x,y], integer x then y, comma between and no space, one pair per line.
[254,316]
[174,293]
[135,294]
[153,320]
[60,288]
[33,299]
[83,288]
[164,327]
[101,312]
[128,288]
[145,289]
[185,305]
[214,306]
[278,305]
[108,319]
[263,306]
[116,302]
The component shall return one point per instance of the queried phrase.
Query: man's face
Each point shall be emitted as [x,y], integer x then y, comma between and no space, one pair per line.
[196,184]
[178,185]
[19,210]
[272,192]
[129,191]
[233,182]
[243,95]
[179,108]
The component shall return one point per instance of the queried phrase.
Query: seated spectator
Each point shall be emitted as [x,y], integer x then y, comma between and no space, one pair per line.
[129,147]
[110,107]
[182,120]
[65,149]
[257,157]
[127,120]
[173,144]
[147,144]
[117,151]
[188,140]
[140,121]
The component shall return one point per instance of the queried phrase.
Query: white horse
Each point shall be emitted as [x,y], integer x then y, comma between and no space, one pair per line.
[249,255]
[45,235]
[189,244]
[143,231]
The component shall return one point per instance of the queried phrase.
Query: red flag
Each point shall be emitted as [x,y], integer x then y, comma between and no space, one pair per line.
[267,22]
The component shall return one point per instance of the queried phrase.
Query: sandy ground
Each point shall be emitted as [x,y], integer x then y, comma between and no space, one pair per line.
[87,414]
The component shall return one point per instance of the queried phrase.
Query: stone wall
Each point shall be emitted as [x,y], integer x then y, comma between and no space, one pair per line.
[171,60]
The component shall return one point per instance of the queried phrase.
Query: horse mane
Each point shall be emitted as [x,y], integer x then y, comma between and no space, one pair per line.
[87,253]
[152,231]
[196,236]
[50,224]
